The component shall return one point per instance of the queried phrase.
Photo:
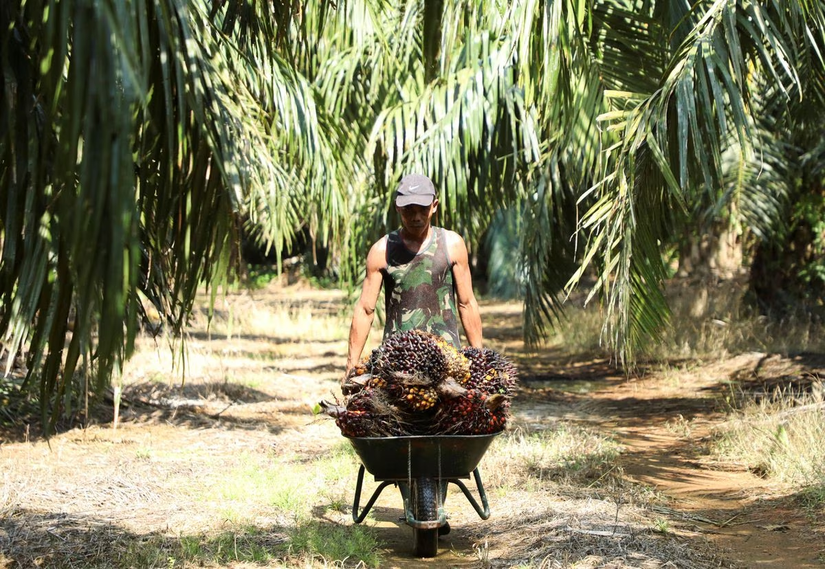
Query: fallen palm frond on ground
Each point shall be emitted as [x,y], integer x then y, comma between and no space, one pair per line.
[562,533]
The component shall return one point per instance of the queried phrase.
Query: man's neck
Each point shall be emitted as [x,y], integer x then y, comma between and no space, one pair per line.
[414,241]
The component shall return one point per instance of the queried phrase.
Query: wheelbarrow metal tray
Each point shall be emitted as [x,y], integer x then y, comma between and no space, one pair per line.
[415,456]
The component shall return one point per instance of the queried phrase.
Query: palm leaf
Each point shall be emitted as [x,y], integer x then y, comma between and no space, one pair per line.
[137,142]
[706,87]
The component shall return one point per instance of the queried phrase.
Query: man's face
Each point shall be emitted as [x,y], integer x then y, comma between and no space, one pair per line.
[417,216]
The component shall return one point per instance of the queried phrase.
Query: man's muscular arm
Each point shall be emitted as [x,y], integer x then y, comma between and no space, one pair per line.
[364,310]
[467,305]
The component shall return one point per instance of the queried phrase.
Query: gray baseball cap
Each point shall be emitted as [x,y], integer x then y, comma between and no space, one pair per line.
[415,189]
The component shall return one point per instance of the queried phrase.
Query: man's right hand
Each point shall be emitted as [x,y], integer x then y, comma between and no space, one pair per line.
[354,382]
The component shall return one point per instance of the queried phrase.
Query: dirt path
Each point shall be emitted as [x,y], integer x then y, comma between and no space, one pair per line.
[662,425]
[730,508]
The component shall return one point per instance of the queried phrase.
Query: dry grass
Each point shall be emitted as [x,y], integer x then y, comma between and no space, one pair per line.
[564,503]
[780,436]
[712,320]
[565,533]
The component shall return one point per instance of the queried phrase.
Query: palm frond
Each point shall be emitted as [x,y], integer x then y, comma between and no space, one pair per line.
[706,91]
[468,130]
[131,165]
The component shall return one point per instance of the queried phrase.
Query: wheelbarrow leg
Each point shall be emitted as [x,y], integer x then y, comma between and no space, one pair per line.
[358,516]
[483,511]
[445,528]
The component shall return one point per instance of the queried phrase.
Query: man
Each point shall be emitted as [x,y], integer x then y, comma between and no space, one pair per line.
[425,272]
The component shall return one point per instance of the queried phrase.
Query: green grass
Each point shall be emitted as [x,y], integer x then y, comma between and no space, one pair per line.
[247,544]
[284,483]
[288,488]
[813,496]
[333,541]
[259,277]
[307,544]
[143,453]
[661,525]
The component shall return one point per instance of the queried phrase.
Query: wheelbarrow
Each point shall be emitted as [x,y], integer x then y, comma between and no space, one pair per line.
[422,467]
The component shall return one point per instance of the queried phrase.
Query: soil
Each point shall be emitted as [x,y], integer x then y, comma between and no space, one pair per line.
[102,485]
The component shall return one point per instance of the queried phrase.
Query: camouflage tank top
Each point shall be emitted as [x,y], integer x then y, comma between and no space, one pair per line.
[419,293]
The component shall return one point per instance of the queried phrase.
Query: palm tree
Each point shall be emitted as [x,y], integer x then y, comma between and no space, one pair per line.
[699,135]
[616,127]
[134,135]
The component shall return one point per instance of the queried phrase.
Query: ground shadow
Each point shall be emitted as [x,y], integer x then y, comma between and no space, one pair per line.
[195,420]
[774,374]
[263,338]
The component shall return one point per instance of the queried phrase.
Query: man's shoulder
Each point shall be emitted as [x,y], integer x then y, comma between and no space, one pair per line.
[380,245]
[456,248]
[377,253]
[451,237]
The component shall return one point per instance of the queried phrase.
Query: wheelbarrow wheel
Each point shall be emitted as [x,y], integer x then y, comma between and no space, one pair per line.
[425,508]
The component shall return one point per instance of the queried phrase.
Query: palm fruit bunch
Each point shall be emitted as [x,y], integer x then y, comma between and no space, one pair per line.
[485,406]
[413,352]
[490,371]
[458,365]
[416,383]
[473,413]
[411,363]
[367,413]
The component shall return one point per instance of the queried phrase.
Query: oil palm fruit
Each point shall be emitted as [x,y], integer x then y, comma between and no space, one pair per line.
[503,377]
[357,378]
[458,366]
[421,398]
[477,362]
[412,391]
[490,371]
[472,414]
[410,352]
